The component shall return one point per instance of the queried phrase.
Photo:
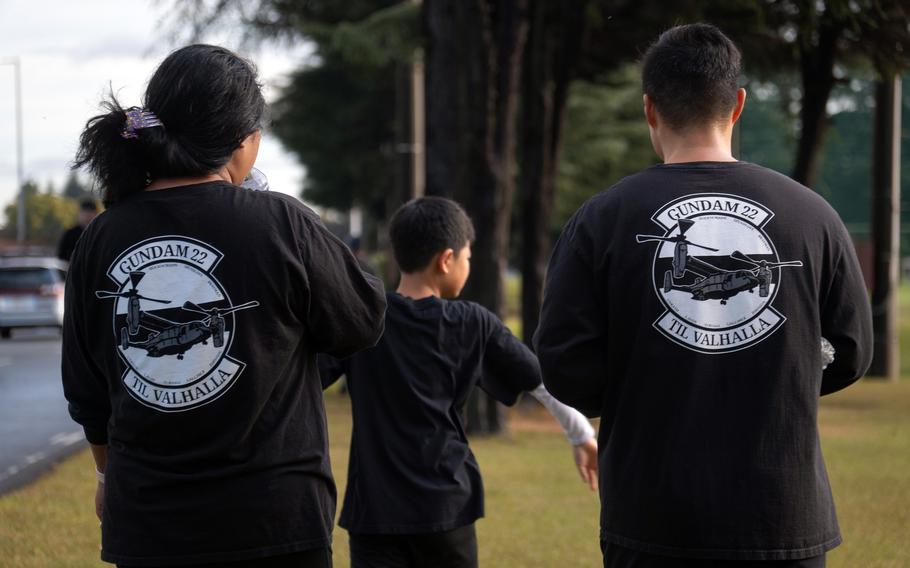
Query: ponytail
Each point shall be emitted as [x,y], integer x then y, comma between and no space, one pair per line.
[114,161]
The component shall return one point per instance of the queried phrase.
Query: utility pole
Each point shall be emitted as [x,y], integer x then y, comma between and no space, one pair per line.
[418,127]
[20,168]
[886,227]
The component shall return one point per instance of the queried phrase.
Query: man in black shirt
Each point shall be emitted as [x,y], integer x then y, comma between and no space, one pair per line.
[88,210]
[685,306]
[414,487]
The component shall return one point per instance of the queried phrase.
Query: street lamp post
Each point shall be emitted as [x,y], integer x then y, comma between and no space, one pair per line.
[20,169]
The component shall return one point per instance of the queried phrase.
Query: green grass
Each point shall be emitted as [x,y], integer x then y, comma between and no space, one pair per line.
[538,513]
[903,326]
[866,440]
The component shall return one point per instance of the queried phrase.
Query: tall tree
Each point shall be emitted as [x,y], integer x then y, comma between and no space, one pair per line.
[473,62]
[823,39]
[337,114]
[336,118]
[886,205]
[557,31]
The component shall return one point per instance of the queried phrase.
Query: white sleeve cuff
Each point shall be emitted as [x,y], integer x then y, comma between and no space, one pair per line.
[577,428]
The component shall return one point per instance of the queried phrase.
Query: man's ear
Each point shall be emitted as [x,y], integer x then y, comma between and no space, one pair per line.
[650,111]
[740,103]
[444,260]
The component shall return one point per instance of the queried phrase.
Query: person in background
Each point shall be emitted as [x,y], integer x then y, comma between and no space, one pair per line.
[356,246]
[88,210]
[194,312]
[685,306]
[414,489]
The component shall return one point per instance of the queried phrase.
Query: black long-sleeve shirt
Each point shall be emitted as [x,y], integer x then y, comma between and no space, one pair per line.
[685,306]
[193,318]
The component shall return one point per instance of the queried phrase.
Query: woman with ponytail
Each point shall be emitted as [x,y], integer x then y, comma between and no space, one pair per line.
[194,312]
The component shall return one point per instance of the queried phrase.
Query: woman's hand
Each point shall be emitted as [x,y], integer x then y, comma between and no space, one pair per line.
[585,455]
[99,453]
[99,500]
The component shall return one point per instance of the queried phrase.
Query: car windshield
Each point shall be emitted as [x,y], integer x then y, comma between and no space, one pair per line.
[25,278]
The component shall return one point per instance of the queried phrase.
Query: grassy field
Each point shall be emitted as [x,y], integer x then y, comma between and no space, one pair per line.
[538,512]
[903,323]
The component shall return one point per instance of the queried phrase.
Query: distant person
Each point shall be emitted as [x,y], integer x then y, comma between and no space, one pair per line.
[414,489]
[685,306]
[194,312]
[88,210]
[356,246]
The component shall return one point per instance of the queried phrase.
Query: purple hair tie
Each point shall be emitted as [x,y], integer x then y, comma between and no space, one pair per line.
[137,119]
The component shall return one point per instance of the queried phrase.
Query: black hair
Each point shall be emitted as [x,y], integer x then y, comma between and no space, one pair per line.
[691,74]
[208,100]
[424,227]
[88,205]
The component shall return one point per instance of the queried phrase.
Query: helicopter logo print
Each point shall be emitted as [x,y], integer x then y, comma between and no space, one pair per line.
[174,323]
[716,272]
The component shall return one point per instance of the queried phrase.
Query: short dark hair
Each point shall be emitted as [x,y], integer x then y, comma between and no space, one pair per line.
[208,100]
[691,74]
[424,227]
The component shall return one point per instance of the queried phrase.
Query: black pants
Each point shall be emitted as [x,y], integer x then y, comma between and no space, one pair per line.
[456,548]
[317,558]
[616,556]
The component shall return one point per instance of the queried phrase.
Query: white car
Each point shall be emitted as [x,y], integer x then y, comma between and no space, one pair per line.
[31,293]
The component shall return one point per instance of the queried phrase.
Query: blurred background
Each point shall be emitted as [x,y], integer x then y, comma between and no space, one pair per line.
[519,109]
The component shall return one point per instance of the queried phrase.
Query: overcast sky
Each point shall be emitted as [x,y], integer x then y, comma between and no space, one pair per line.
[70,52]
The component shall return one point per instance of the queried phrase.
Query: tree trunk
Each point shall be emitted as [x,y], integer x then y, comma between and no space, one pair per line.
[553,47]
[886,228]
[473,60]
[445,73]
[817,75]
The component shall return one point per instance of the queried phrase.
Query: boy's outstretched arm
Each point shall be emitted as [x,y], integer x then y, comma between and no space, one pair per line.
[510,368]
[579,432]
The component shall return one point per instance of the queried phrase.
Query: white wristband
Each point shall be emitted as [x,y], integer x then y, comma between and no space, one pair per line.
[100,476]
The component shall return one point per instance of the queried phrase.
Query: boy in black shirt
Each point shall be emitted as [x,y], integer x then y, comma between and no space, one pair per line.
[414,487]
[685,306]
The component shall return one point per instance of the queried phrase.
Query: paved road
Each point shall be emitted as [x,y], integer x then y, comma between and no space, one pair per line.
[35,429]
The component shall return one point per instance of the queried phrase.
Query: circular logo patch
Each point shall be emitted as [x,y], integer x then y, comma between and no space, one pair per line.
[174,323]
[716,272]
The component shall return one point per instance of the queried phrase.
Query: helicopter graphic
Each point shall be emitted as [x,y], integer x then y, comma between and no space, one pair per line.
[713,283]
[167,337]
[133,297]
[681,250]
